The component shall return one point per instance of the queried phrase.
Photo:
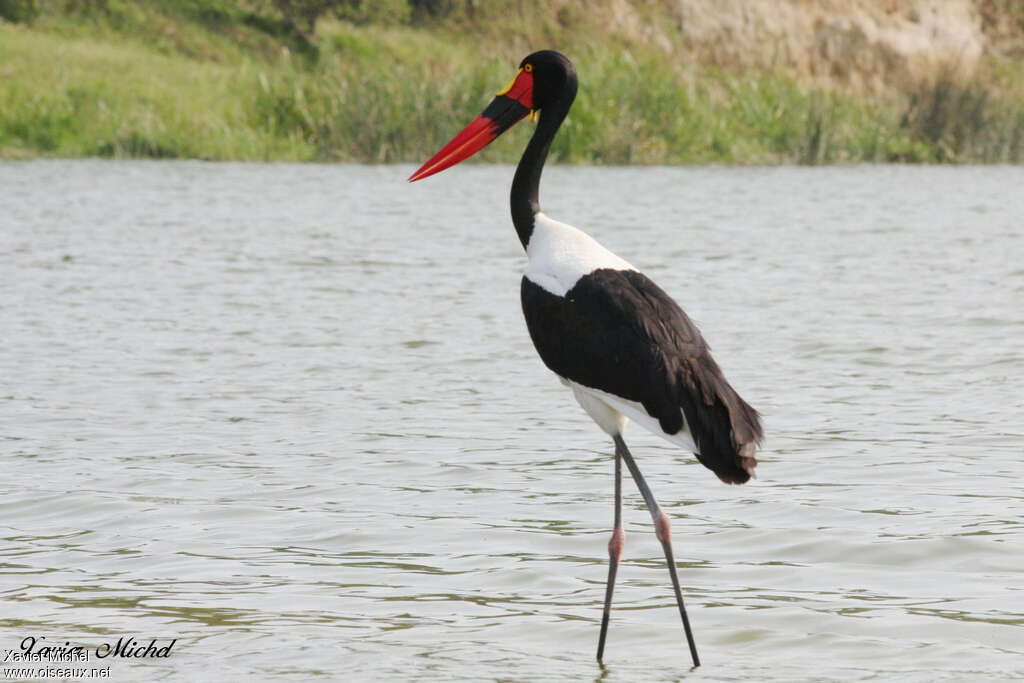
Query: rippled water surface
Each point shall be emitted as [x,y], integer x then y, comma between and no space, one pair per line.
[290,416]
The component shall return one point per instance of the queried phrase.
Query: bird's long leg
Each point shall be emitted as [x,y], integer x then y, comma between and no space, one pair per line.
[662,527]
[614,552]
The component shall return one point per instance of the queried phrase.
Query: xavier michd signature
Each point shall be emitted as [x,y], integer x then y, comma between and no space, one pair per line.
[34,648]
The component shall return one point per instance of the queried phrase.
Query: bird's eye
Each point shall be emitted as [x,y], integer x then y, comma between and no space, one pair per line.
[528,68]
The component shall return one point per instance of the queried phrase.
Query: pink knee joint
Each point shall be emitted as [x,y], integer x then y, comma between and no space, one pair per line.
[615,544]
[663,527]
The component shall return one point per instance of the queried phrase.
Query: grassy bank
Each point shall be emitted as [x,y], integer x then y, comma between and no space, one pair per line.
[220,80]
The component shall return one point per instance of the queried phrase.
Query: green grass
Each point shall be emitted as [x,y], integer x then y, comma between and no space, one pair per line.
[218,80]
[80,97]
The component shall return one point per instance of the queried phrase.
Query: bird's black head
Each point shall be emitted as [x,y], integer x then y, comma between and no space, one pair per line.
[554,76]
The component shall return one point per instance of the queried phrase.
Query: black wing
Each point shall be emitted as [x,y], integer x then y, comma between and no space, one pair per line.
[617,331]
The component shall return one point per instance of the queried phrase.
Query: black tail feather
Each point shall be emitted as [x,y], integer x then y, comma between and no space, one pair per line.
[725,428]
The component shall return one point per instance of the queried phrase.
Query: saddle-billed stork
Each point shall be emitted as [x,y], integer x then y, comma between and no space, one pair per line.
[624,347]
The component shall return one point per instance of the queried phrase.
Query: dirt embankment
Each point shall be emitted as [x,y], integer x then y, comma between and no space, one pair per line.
[860,45]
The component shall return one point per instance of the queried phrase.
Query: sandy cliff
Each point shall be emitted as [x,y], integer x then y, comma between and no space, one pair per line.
[866,45]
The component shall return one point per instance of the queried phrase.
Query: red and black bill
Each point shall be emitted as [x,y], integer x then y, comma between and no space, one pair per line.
[509,107]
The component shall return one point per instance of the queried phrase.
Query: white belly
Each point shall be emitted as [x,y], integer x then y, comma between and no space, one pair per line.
[611,412]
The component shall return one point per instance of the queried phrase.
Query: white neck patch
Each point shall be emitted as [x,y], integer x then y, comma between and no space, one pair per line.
[559,255]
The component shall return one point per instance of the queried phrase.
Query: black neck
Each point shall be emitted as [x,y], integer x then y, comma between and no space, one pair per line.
[526,184]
